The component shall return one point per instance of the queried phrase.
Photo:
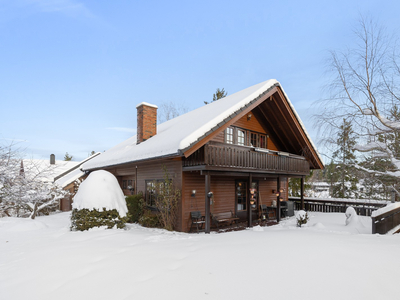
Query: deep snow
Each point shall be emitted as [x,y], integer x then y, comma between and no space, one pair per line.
[41,259]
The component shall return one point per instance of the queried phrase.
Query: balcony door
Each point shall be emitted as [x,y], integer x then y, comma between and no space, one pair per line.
[241,192]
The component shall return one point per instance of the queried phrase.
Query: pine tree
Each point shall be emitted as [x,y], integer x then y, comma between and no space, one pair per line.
[68,157]
[345,160]
[219,94]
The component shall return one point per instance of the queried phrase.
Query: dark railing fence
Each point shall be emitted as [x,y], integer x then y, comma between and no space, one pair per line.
[329,205]
[243,157]
[385,222]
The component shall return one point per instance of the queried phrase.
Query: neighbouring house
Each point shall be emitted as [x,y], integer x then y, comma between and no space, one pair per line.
[242,148]
[66,174]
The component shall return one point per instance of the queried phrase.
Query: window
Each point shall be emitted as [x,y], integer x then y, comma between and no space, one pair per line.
[124,184]
[229,135]
[241,137]
[241,194]
[263,141]
[254,139]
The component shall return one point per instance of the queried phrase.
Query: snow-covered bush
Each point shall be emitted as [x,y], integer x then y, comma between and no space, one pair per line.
[99,202]
[351,216]
[302,218]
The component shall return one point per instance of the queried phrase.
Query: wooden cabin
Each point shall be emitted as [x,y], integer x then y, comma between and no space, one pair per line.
[242,147]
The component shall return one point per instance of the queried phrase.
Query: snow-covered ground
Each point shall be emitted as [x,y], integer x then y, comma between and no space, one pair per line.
[41,259]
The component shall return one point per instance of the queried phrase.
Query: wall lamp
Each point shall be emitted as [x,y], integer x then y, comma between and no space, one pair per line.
[210,194]
[193,193]
[249,115]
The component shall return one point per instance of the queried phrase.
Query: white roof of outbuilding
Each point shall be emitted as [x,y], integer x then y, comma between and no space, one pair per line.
[183,131]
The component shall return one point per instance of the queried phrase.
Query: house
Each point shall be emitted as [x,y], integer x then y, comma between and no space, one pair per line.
[242,147]
[64,173]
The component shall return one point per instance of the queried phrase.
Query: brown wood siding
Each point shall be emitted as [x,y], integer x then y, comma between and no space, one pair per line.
[220,138]
[255,125]
[267,186]
[192,181]
[222,187]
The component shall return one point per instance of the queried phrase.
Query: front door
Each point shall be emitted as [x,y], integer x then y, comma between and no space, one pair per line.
[241,192]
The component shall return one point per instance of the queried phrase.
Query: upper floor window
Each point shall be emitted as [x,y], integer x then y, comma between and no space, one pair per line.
[229,135]
[254,139]
[241,137]
[263,141]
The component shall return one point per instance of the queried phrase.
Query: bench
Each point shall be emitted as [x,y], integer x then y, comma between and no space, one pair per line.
[222,218]
[197,220]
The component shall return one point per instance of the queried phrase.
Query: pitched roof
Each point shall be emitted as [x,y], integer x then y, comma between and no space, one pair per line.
[181,133]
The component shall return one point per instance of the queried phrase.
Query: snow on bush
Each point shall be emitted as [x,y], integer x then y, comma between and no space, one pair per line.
[301,217]
[99,202]
[352,219]
[101,190]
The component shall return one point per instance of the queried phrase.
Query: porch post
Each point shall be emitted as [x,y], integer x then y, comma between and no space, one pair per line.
[278,201]
[207,179]
[249,213]
[302,192]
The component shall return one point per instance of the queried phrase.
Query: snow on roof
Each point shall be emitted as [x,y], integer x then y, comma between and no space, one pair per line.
[183,131]
[387,208]
[62,172]
[43,170]
[70,177]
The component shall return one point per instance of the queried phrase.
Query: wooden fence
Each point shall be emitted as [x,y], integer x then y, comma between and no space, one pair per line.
[385,222]
[329,205]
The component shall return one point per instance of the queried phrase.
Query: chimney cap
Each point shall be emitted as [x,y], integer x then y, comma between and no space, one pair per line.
[147,104]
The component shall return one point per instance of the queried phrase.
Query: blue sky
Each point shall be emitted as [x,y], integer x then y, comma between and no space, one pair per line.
[72,72]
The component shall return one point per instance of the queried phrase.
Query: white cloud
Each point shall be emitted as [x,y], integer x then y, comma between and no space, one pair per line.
[68,7]
[123,129]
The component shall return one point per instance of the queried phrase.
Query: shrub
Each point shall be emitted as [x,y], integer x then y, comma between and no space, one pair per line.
[85,219]
[167,202]
[302,218]
[135,204]
[149,219]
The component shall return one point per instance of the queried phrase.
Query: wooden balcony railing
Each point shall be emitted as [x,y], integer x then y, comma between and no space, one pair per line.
[227,156]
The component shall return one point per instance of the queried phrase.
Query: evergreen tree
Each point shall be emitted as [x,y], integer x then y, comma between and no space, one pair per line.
[331,176]
[68,157]
[345,160]
[218,95]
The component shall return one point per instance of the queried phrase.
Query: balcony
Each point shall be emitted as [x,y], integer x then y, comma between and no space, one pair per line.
[231,157]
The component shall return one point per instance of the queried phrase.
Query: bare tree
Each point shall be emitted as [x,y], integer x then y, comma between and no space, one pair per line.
[365,91]
[170,110]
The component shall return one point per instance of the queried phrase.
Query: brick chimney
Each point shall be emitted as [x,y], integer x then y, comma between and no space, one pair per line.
[146,121]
